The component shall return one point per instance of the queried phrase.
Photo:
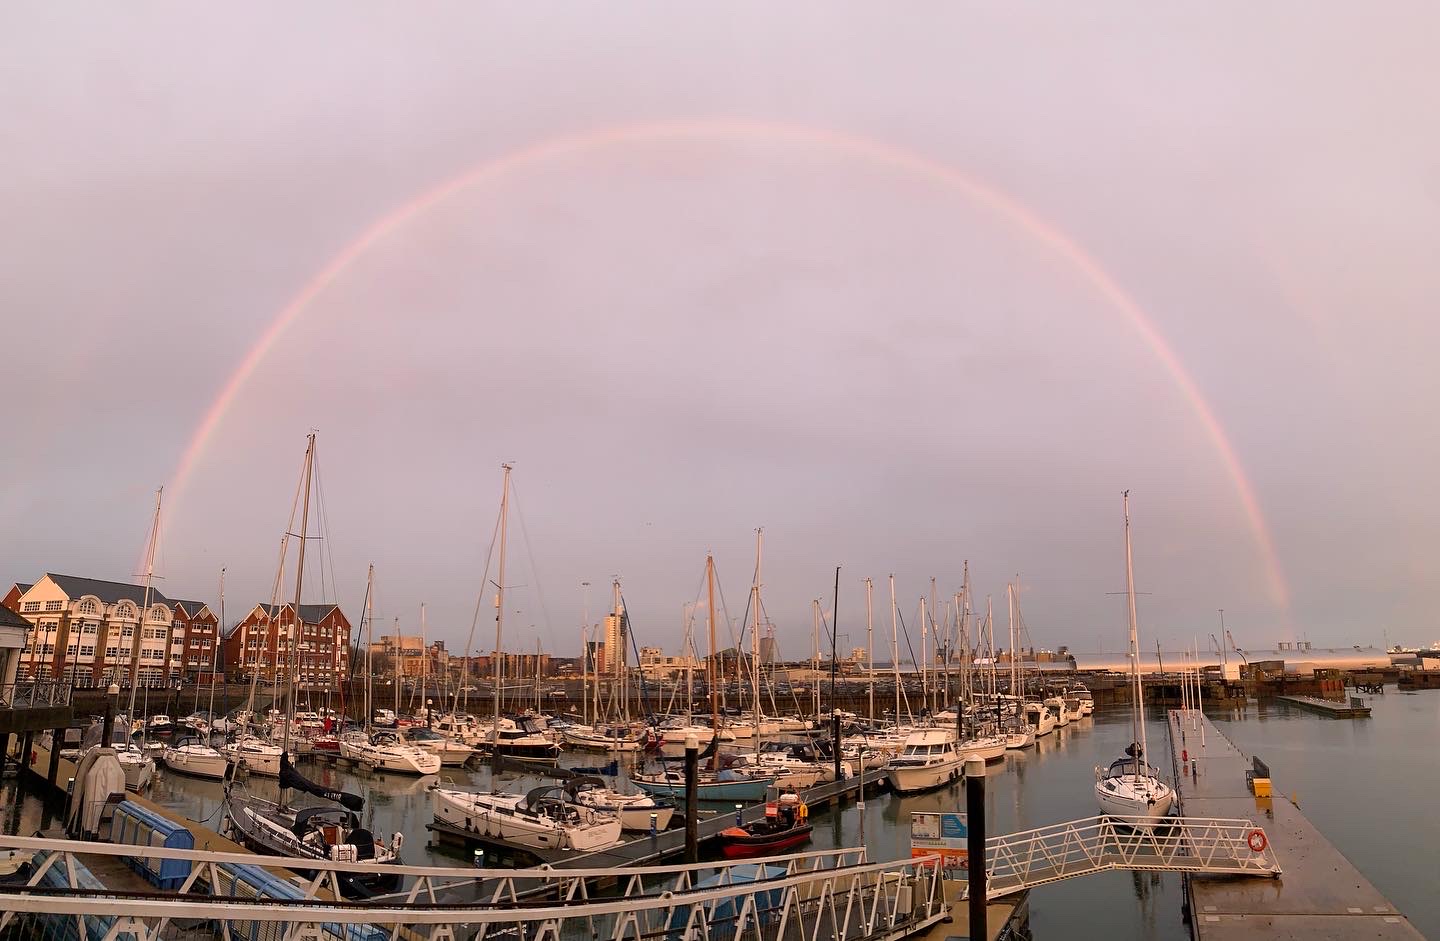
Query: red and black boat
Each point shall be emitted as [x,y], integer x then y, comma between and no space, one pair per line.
[762,838]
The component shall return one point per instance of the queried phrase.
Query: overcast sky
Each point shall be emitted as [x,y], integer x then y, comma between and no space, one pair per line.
[766,318]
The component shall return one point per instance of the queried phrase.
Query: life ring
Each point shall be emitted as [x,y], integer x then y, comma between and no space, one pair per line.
[1256,841]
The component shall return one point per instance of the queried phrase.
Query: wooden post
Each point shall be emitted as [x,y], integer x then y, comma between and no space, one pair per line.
[975,843]
[692,799]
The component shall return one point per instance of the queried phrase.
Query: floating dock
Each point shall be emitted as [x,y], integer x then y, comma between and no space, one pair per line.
[1319,895]
[1353,708]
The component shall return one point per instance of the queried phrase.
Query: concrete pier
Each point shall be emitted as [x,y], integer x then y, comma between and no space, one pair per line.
[1319,895]
[1353,708]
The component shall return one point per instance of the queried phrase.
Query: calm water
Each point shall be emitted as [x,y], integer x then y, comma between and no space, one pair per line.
[1325,762]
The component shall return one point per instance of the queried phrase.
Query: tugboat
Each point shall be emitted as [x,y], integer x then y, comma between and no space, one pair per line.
[786,825]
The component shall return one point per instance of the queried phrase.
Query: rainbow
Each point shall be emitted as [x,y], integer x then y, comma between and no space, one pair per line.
[860,148]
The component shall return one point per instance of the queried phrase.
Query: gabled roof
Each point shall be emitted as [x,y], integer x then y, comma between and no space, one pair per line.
[309,613]
[9,618]
[191,608]
[109,592]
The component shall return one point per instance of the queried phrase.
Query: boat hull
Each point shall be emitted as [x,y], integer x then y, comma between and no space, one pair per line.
[750,789]
[198,763]
[914,779]
[470,813]
[734,846]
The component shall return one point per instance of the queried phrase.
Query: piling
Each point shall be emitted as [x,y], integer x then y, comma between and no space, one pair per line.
[692,799]
[975,843]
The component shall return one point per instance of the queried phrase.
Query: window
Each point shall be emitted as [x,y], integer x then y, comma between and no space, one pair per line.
[206,644]
[47,649]
[72,649]
[110,652]
[88,606]
[32,606]
[87,650]
[52,606]
[90,628]
[128,631]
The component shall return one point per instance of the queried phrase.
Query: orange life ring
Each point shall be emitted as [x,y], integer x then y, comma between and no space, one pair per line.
[1257,841]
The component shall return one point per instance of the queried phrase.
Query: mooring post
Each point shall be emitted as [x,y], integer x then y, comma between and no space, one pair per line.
[692,799]
[57,739]
[975,842]
[112,695]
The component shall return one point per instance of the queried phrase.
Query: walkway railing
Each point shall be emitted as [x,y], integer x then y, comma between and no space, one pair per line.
[804,897]
[1020,861]
[28,694]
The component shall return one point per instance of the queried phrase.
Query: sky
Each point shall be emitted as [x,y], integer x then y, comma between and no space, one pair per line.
[902,287]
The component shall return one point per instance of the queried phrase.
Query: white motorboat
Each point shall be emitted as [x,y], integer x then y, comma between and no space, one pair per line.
[1057,706]
[139,767]
[1087,701]
[634,810]
[253,755]
[1131,787]
[1040,719]
[1019,738]
[540,819]
[677,734]
[928,761]
[988,747]
[384,751]
[196,759]
[452,754]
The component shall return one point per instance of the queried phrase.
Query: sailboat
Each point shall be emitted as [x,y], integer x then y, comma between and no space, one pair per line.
[386,750]
[726,785]
[328,832]
[1019,734]
[1131,787]
[194,755]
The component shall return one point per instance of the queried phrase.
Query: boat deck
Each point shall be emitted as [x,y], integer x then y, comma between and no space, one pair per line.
[1320,893]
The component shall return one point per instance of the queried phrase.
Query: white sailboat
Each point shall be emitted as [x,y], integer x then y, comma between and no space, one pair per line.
[196,757]
[540,819]
[1131,787]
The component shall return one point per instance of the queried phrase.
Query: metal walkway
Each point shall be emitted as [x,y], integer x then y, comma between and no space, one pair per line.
[1024,860]
[832,895]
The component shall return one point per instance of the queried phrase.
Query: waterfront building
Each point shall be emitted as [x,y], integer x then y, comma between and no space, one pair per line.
[13,629]
[654,664]
[266,640]
[615,631]
[83,630]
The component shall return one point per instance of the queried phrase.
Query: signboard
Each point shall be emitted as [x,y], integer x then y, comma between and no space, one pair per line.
[944,835]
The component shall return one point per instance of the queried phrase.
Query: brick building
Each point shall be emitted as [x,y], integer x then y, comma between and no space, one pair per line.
[266,640]
[83,630]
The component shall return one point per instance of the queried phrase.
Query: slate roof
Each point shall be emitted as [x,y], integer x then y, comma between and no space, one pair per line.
[108,592]
[309,613]
[9,618]
[191,607]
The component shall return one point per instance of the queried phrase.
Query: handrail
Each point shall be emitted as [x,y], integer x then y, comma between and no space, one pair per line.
[33,693]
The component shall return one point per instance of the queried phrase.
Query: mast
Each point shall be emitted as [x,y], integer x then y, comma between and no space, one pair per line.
[1010,605]
[499,613]
[369,644]
[395,670]
[895,647]
[215,658]
[710,662]
[292,642]
[815,658]
[145,608]
[424,667]
[1137,712]
[924,654]
[585,652]
[755,638]
[870,644]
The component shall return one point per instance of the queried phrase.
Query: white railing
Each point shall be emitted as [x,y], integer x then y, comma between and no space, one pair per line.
[803,897]
[1020,861]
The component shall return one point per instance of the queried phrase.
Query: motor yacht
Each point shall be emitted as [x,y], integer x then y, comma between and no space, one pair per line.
[541,819]
[928,761]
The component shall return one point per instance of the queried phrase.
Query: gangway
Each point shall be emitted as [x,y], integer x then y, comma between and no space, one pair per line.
[1019,861]
[833,894]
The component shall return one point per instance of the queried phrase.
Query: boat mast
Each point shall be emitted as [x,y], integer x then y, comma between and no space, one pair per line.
[499,614]
[1137,712]
[755,638]
[295,632]
[815,658]
[395,671]
[424,668]
[585,652]
[215,658]
[1010,618]
[924,654]
[710,663]
[870,644]
[369,643]
[895,647]
[145,608]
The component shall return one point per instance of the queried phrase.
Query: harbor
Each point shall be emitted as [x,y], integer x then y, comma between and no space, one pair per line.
[1031,789]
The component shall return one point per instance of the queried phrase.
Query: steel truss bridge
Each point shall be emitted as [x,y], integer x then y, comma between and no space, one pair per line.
[1209,845]
[817,896]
